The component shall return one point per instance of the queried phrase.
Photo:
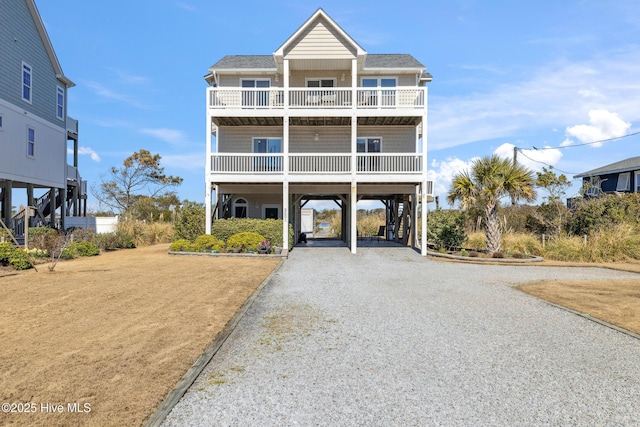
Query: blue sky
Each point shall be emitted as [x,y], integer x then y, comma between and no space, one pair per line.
[530,74]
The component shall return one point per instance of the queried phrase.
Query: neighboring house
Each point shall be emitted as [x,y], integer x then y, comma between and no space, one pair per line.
[319,119]
[35,130]
[618,177]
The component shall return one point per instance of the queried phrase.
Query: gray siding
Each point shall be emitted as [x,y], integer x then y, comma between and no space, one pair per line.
[20,41]
[331,139]
[395,139]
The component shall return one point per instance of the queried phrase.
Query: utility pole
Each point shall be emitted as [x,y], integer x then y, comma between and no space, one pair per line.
[515,156]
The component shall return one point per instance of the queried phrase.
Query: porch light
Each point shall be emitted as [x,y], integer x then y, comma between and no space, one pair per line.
[316,136]
[342,77]
[277,77]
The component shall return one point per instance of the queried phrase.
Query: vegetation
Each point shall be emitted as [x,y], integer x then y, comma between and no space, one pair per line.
[271,229]
[138,179]
[446,229]
[490,180]
[245,241]
[190,221]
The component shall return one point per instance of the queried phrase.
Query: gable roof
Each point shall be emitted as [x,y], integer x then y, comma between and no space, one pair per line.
[627,165]
[393,60]
[37,20]
[319,14]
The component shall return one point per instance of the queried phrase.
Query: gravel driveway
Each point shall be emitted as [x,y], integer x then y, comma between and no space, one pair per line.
[388,338]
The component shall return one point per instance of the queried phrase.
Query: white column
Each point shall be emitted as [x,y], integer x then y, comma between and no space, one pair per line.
[353,201]
[285,217]
[423,249]
[207,169]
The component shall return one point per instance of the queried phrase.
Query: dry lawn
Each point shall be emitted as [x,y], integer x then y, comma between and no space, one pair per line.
[113,333]
[616,302]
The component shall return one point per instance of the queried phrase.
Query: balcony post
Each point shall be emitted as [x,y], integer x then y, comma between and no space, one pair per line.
[285,217]
[207,194]
[423,249]
[353,227]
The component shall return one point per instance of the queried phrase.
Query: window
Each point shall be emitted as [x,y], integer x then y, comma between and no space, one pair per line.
[623,182]
[636,177]
[267,146]
[369,145]
[321,82]
[321,96]
[240,208]
[60,103]
[271,212]
[31,142]
[252,97]
[384,97]
[1,123]
[26,82]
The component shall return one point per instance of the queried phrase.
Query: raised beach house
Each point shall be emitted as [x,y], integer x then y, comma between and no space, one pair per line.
[319,119]
[35,131]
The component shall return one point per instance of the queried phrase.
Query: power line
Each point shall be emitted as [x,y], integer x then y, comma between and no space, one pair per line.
[546,164]
[589,143]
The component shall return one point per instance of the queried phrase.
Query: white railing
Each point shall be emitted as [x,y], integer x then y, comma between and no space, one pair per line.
[319,163]
[391,97]
[72,125]
[246,98]
[389,163]
[320,98]
[312,98]
[246,163]
[72,173]
[316,163]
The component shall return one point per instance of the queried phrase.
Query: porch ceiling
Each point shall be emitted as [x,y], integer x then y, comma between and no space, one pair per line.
[318,121]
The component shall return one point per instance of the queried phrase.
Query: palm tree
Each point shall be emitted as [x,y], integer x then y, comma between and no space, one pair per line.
[491,179]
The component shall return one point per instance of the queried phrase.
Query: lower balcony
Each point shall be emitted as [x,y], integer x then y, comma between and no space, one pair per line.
[319,167]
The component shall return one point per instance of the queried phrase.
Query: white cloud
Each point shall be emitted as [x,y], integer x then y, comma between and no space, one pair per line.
[603,125]
[86,151]
[107,93]
[171,136]
[555,96]
[442,173]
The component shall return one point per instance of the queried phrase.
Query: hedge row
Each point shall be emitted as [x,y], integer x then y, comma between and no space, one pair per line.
[271,229]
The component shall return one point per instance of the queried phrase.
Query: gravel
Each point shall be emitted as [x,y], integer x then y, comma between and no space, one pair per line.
[389,338]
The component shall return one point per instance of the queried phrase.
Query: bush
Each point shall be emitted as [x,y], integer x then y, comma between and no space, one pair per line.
[190,222]
[446,228]
[591,215]
[117,240]
[525,243]
[476,241]
[271,229]
[181,245]
[207,243]
[85,248]
[143,233]
[245,241]
[10,255]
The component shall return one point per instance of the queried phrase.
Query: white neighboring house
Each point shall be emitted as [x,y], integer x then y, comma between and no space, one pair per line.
[35,130]
[319,119]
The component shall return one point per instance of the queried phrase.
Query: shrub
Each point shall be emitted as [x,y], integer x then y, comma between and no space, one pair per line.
[271,229]
[85,248]
[446,228]
[206,243]
[591,215]
[117,240]
[245,241]
[497,255]
[190,222]
[10,255]
[476,241]
[526,243]
[147,233]
[181,245]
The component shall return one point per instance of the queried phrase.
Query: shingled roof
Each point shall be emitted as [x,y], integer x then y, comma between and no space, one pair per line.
[266,62]
[630,164]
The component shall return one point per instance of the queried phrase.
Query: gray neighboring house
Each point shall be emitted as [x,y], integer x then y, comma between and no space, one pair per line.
[35,131]
[618,177]
[319,119]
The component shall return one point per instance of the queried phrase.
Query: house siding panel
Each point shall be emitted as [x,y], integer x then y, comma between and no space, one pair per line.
[331,139]
[320,40]
[20,41]
[298,78]
[236,139]
[395,139]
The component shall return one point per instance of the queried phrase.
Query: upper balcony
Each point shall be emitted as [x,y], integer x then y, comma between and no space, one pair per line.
[395,101]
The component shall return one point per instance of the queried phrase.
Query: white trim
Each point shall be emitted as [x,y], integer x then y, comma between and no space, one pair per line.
[22,85]
[271,206]
[379,80]
[636,178]
[268,138]
[255,79]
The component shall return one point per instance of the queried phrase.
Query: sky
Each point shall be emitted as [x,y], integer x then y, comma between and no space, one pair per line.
[548,77]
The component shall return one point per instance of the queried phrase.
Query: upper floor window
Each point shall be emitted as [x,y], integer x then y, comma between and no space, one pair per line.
[60,103]
[321,82]
[379,82]
[26,82]
[31,142]
[369,145]
[254,97]
[267,145]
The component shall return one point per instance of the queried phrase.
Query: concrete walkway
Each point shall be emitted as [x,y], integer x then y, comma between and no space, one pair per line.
[389,338]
